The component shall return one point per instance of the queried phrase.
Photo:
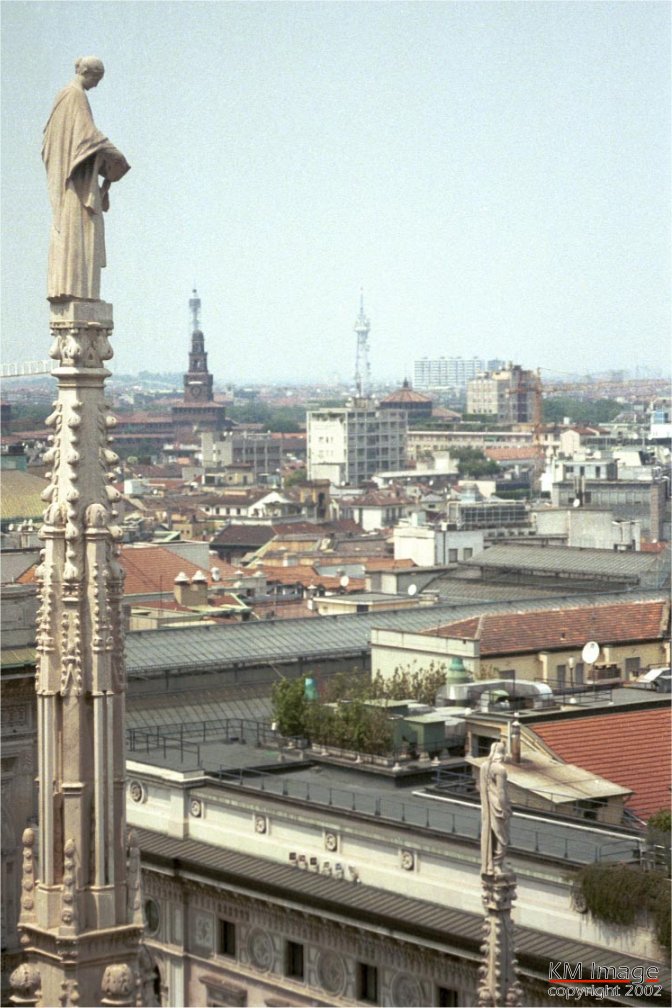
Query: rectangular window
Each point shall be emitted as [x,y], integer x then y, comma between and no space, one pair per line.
[468,553]
[226,939]
[560,675]
[294,960]
[483,744]
[452,556]
[367,983]
[578,673]
[446,997]
[632,666]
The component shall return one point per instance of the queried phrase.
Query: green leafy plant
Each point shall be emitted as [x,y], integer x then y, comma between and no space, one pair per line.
[290,707]
[406,683]
[617,894]
[353,724]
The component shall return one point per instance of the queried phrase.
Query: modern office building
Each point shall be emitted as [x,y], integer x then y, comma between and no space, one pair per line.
[348,444]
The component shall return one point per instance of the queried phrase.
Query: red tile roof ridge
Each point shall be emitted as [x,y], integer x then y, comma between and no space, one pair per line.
[596,742]
[505,632]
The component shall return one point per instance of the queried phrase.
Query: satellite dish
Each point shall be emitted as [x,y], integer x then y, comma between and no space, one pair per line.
[590,652]
[216,573]
[412,590]
[576,502]
[345,581]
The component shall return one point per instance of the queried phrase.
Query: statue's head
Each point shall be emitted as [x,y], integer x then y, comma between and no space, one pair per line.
[90,69]
[497,751]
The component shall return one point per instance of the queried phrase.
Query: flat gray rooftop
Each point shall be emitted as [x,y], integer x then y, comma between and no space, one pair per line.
[255,765]
[568,560]
[151,652]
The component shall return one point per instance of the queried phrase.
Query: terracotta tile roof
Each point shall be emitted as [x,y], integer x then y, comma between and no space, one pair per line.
[151,569]
[512,453]
[243,535]
[407,395]
[653,547]
[307,575]
[386,563]
[20,495]
[632,749]
[515,633]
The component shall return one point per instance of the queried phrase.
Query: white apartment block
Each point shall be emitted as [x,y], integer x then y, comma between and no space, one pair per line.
[450,372]
[348,444]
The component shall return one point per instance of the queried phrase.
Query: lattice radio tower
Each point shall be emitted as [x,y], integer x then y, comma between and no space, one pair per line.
[362,365]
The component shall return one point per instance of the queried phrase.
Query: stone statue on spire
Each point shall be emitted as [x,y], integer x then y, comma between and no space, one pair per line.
[76,154]
[495,811]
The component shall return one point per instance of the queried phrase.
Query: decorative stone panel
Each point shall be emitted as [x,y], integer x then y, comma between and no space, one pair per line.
[406,991]
[137,792]
[331,841]
[407,860]
[260,949]
[332,974]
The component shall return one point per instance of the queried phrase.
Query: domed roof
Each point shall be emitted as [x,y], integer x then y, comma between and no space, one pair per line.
[407,395]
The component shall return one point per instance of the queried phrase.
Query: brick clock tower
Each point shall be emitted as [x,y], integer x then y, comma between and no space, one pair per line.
[199,413]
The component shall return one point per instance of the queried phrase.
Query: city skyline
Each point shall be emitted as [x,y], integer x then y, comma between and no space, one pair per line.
[494,176]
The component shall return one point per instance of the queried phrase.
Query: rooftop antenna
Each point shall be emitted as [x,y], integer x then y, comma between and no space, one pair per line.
[362,366]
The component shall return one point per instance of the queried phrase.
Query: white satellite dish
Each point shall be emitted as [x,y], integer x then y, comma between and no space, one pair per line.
[576,502]
[216,573]
[345,581]
[412,590]
[590,652]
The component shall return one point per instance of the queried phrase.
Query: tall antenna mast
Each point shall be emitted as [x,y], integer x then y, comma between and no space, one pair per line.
[362,365]
[195,309]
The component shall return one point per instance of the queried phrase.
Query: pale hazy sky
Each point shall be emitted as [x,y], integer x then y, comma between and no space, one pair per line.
[494,175]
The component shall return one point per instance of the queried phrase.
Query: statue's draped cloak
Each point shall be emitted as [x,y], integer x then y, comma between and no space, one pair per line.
[75,153]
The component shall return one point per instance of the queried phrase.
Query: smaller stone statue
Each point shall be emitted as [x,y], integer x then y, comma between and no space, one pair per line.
[76,155]
[495,811]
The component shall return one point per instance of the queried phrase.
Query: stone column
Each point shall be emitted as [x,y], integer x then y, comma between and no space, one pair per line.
[81,921]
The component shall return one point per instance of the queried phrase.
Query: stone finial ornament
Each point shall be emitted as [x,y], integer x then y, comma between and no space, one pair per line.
[118,986]
[25,984]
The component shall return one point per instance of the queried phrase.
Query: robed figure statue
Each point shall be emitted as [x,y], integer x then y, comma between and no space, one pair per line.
[76,155]
[495,811]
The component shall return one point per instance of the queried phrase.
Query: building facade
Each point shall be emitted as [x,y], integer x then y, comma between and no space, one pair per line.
[510,394]
[348,444]
[450,372]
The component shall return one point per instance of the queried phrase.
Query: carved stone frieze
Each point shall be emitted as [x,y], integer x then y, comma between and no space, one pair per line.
[69,996]
[160,886]
[28,878]
[69,912]
[81,346]
[71,668]
[134,880]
